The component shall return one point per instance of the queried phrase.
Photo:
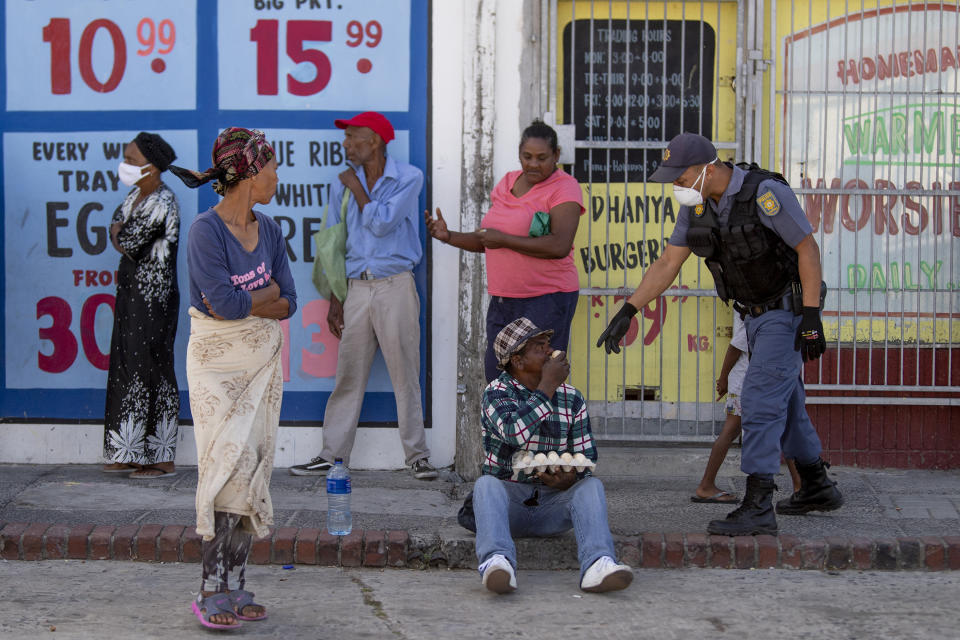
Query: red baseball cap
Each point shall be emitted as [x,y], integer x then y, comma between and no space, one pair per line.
[373,121]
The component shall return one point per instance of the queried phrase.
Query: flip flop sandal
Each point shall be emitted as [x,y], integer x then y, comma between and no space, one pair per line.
[163,473]
[721,497]
[119,470]
[241,599]
[214,604]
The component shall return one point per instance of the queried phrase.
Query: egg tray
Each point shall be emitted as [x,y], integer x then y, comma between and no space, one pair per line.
[550,461]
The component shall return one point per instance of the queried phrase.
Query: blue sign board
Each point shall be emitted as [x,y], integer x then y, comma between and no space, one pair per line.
[80,78]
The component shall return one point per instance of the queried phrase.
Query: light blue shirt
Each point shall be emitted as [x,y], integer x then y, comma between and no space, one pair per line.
[384,237]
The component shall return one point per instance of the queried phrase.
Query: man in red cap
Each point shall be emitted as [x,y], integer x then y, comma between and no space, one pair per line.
[382,307]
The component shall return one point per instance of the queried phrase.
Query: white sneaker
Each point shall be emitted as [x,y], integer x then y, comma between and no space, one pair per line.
[606,574]
[498,575]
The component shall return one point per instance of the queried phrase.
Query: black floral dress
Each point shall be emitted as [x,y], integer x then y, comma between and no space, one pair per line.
[140,423]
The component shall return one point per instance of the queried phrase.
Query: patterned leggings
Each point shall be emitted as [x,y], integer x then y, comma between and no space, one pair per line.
[225,557]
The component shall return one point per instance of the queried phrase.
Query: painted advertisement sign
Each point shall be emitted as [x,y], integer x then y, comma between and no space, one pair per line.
[643,73]
[82,77]
[872,114]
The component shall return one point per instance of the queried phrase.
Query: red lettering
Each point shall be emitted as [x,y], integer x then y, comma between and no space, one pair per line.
[955,210]
[913,205]
[845,219]
[886,67]
[937,212]
[814,205]
[932,61]
[868,69]
[324,363]
[64,344]
[947,59]
[88,336]
[91,280]
[105,278]
[842,71]
[852,72]
[77,277]
[882,214]
[918,61]
[905,63]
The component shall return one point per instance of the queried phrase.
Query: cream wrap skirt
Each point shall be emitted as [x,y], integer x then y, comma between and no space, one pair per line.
[235,378]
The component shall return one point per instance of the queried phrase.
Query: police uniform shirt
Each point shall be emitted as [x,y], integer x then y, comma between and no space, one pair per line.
[777,205]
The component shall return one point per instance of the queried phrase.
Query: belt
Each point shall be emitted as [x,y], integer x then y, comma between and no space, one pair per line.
[784,302]
[367,275]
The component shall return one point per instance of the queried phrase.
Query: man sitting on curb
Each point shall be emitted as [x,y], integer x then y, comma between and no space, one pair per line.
[530,408]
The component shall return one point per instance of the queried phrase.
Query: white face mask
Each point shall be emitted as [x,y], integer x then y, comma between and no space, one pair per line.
[130,174]
[691,197]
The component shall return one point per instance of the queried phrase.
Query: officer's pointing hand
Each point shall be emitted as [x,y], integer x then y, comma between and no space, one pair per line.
[613,334]
[810,341]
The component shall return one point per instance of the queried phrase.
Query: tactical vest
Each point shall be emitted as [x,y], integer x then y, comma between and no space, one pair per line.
[750,263]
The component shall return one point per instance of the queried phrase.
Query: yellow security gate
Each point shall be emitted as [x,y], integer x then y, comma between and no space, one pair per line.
[856,105]
[629,77]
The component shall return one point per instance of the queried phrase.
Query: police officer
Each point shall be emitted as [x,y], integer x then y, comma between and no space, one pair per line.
[759,247]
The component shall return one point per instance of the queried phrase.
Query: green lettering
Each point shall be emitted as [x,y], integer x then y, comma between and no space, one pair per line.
[857,137]
[908,277]
[898,137]
[894,276]
[880,141]
[925,137]
[931,272]
[878,280]
[856,277]
[955,133]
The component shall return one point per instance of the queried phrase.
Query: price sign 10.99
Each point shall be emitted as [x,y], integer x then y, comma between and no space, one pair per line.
[101,56]
[316,55]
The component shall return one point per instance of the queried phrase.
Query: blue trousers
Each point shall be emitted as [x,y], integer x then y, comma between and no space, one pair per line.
[549,311]
[774,403]
[500,512]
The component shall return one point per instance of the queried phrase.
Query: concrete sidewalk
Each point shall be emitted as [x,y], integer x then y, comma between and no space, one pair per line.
[892,519]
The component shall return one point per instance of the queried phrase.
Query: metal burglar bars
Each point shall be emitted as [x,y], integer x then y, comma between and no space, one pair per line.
[857,107]
[870,124]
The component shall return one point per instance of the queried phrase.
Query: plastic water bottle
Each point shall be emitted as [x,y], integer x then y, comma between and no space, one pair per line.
[339,518]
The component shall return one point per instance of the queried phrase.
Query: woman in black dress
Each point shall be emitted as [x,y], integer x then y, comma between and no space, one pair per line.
[143,402]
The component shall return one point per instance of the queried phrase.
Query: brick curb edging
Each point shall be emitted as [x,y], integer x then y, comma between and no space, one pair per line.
[377,548]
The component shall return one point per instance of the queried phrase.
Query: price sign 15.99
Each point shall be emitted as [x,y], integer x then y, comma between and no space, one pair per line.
[111,55]
[314,54]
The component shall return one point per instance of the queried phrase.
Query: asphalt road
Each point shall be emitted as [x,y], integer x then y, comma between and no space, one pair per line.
[118,600]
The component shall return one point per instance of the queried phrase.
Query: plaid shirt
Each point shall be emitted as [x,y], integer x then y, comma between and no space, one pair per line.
[516,418]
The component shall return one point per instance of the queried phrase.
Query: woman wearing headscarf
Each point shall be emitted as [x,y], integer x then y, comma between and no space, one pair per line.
[240,289]
[140,421]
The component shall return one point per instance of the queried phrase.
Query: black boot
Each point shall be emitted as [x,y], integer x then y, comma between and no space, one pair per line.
[754,516]
[817,491]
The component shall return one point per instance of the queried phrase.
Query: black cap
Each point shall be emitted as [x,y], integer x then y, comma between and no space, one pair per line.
[685,150]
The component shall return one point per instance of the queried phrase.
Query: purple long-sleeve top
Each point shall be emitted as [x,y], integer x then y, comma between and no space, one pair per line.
[223,271]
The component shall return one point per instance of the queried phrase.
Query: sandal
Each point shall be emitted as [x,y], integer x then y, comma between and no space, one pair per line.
[144,473]
[213,604]
[242,599]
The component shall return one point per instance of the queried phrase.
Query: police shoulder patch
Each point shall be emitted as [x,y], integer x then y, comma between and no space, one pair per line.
[769,203]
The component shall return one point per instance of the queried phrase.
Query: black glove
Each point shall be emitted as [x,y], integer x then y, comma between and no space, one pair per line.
[810,341]
[613,334]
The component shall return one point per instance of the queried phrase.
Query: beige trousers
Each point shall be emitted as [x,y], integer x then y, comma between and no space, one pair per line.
[385,313]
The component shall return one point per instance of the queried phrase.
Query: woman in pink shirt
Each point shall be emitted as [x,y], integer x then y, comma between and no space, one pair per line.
[531,276]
